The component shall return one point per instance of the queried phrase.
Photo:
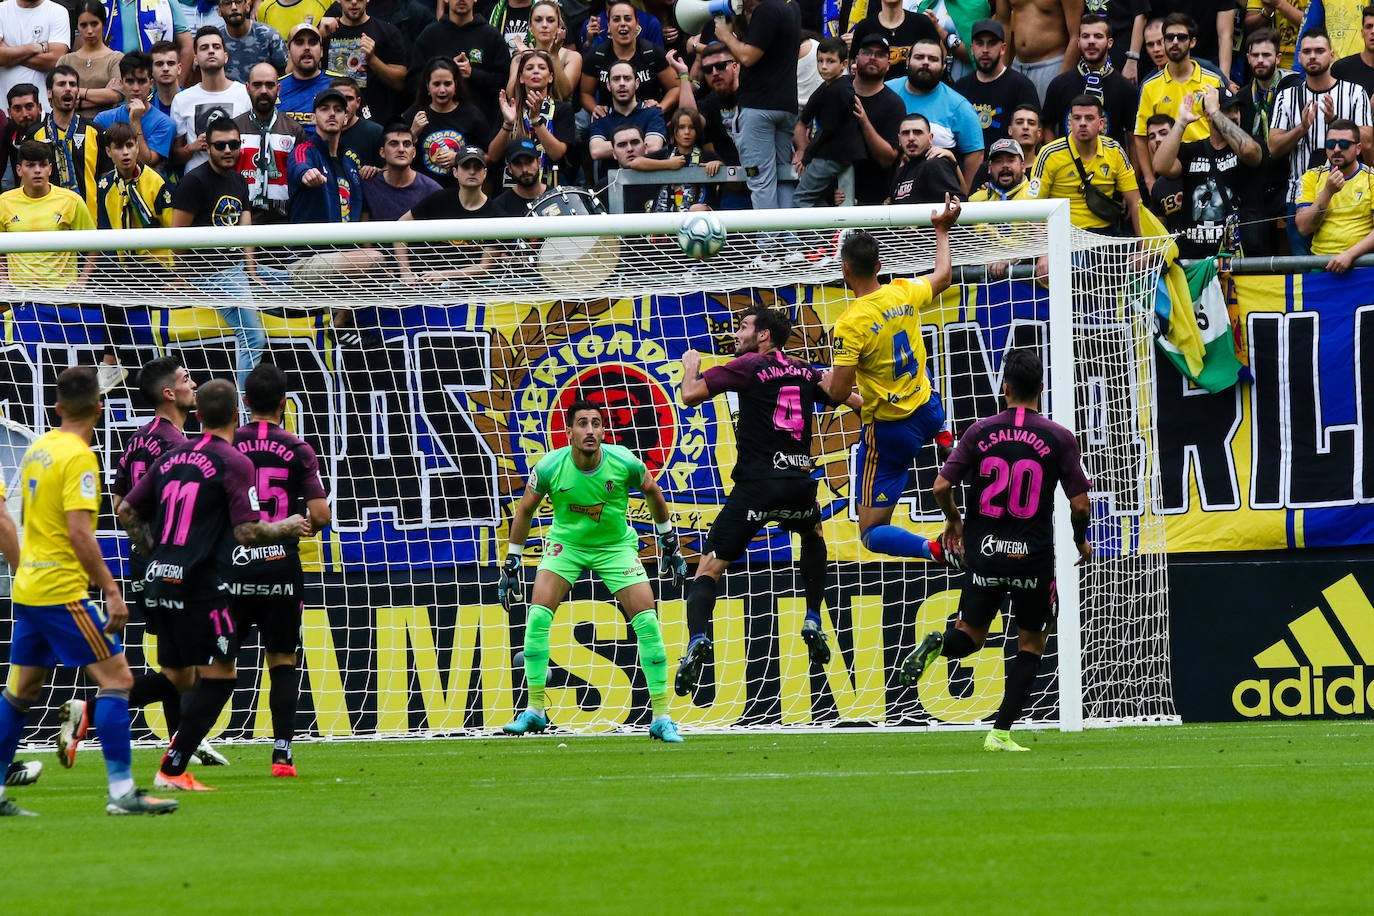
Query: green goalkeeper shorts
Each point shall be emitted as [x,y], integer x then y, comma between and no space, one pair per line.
[617,566]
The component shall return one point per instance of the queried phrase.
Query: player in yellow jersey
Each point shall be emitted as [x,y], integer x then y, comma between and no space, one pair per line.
[20,772]
[877,343]
[54,617]
[39,205]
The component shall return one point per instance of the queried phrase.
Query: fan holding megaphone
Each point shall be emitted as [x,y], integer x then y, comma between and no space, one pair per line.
[692,15]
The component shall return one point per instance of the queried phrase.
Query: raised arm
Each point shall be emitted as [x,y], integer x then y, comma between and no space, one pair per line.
[693,389]
[942,220]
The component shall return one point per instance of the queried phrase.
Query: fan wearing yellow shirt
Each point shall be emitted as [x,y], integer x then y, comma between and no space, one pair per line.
[1163,92]
[1062,166]
[1336,205]
[54,618]
[877,343]
[38,205]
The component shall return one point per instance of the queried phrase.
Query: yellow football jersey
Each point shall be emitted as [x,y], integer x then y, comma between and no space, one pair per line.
[1056,175]
[59,475]
[1351,214]
[1160,94]
[880,334]
[58,209]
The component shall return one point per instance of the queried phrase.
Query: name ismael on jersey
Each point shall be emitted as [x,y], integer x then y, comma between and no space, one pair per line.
[1015,435]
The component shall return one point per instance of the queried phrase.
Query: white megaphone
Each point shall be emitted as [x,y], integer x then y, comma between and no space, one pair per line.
[692,15]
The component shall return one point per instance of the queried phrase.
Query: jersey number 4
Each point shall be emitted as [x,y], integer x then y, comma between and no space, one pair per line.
[904,361]
[789,417]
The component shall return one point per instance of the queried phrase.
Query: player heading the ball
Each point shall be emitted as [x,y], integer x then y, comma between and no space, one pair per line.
[877,343]
[1012,462]
[589,482]
[772,475]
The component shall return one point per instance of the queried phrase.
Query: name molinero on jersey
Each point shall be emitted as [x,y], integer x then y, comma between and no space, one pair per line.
[1013,462]
[589,507]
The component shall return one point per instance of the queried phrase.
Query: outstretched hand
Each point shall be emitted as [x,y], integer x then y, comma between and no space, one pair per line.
[944,219]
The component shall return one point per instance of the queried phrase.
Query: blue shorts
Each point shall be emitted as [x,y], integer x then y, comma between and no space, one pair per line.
[888,450]
[72,633]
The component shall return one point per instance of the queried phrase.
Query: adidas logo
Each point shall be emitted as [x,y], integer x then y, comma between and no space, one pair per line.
[1341,638]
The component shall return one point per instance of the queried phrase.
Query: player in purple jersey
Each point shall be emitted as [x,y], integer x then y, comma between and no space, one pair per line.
[772,474]
[268,587]
[200,503]
[1012,462]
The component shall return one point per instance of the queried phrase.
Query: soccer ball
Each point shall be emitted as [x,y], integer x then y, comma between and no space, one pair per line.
[701,235]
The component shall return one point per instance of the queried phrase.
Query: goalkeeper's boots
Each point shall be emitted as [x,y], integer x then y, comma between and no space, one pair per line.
[76,721]
[946,556]
[210,757]
[525,723]
[999,740]
[816,645]
[700,651]
[9,809]
[665,729]
[23,773]
[137,801]
[917,662]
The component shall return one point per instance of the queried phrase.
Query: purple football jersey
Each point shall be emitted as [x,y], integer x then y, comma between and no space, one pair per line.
[287,475]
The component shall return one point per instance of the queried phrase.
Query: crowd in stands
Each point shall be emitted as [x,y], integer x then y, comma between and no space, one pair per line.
[1243,126]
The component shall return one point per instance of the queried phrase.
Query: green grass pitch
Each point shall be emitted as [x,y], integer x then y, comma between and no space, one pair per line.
[1191,819]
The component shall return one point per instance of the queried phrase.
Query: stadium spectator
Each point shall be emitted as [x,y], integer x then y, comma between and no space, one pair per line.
[451,260]
[268,137]
[443,121]
[33,35]
[361,138]
[512,20]
[323,182]
[626,108]
[657,81]
[1284,18]
[994,88]
[1165,197]
[719,105]
[283,16]
[808,77]
[37,205]
[595,30]
[215,194]
[132,26]
[195,106]
[953,122]
[1155,58]
[1126,20]
[1359,68]
[628,147]
[547,33]
[247,41]
[1095,74]
[372,52]
[1091,171]
[1006,173]
[167,69]
[1334,206]
[926,174]
[397,187]
[1339,19]
[305,76]
[154,131]
[1302,111]
[1026,130]
[534,113]
[882,117]
[828,138]
[1214,25]
[1259,227]
[1164,91]
[78,159]
[129,196]
[23,112]
[1044,38]
[1216,173]
[410,17]
[682,151]
[901,27]
[525,181]
[767,95]
[96,65]
[474,47]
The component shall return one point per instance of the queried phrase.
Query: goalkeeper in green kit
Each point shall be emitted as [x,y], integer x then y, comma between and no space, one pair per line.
[589,483]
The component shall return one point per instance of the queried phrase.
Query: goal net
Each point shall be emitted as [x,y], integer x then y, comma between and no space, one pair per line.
[430,363]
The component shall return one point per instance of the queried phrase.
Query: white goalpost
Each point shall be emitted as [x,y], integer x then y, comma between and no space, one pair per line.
[430,362]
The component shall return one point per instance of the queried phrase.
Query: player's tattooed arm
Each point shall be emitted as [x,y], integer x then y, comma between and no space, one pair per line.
[254,534]
[693,390]
[136,528]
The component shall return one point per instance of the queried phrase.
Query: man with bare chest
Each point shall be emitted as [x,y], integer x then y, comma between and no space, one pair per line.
[1043,36]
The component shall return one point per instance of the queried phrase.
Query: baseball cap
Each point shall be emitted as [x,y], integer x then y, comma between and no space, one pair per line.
[302,27]
[469,153]
[1006,145]
[329,94]
[875,40]
[1226,98]
[988,25]
[521,148]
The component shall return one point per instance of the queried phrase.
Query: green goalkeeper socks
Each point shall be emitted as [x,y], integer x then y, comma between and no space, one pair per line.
[537,624]
[653,658]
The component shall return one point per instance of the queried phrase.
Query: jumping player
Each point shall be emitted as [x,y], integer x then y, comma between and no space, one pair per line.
[772,475]
[589,484]
[268,586]
[54,616]
[201,503]
[1012,461]
[877,342]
